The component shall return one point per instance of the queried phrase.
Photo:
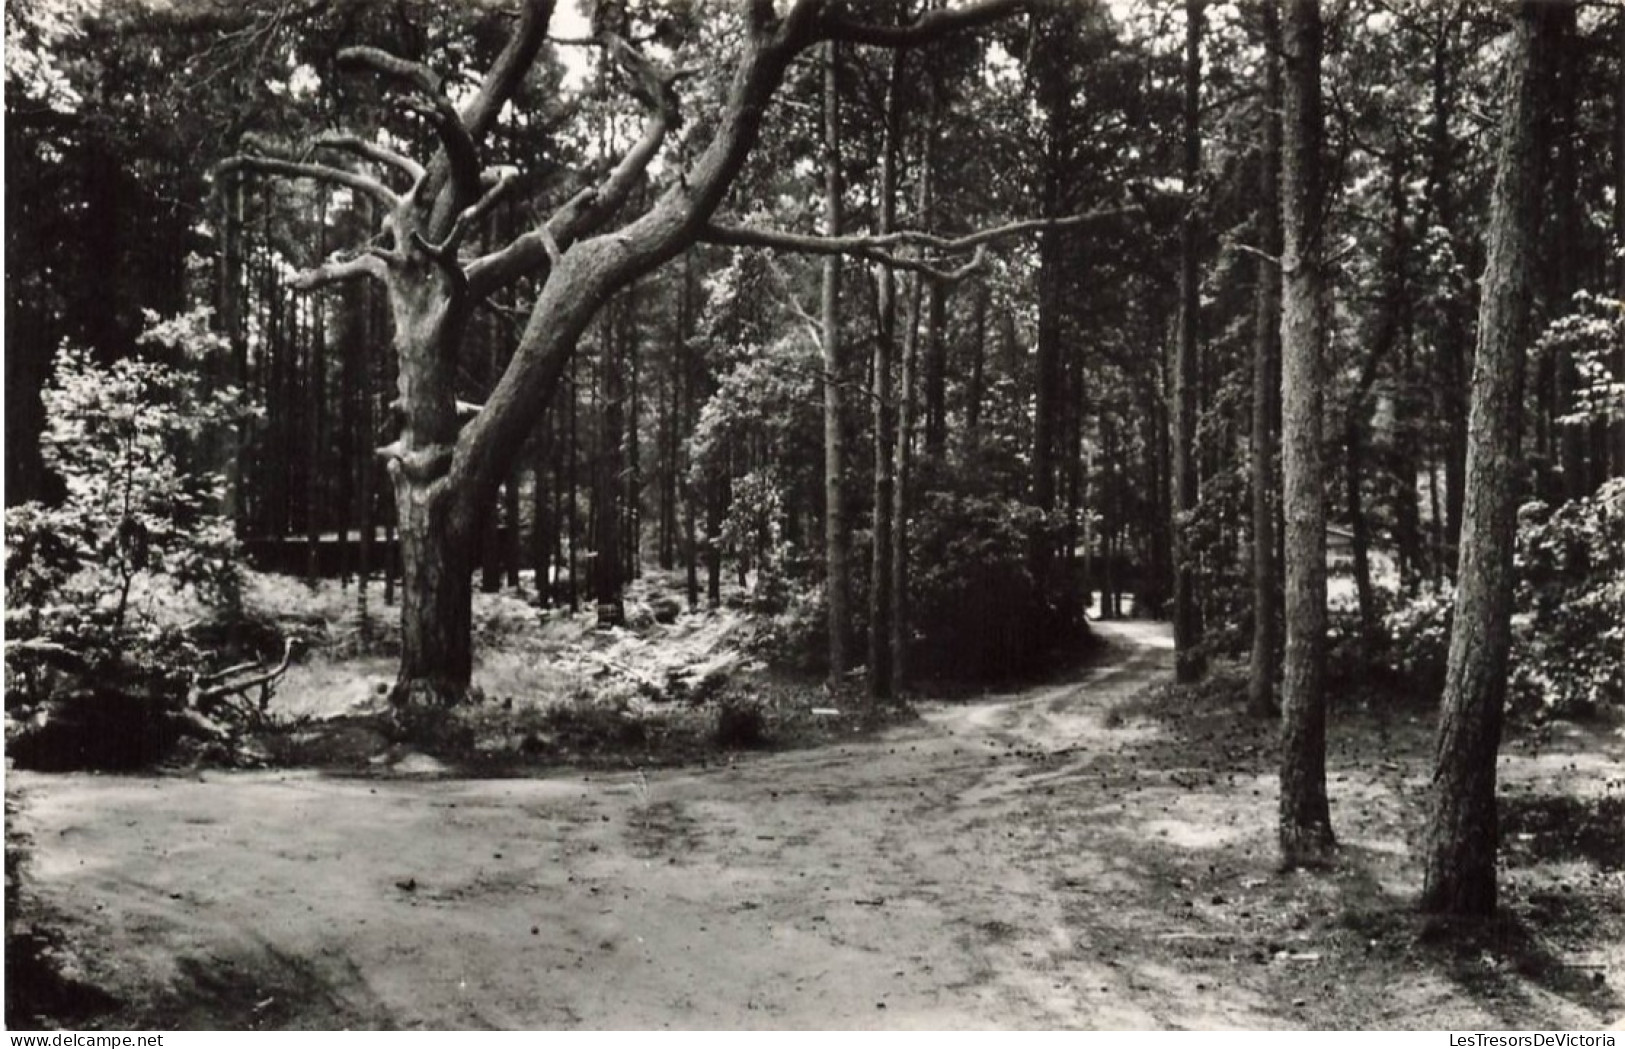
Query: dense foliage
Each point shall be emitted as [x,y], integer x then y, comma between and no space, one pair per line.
[92,581]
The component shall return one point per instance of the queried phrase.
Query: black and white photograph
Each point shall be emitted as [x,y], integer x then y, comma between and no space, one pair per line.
[806,515]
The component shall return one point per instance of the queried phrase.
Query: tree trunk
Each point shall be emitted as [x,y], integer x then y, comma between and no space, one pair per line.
[1401,463]
[365,497]
[1305,819]
[608,561]
[1459,844]
[905,421]
[1359,530]
[1450,335]
[1153,593]
[1110,515]
[571,484]
[317,424]
[688,415]
[936,374]
[837,521]
[881,604]
[631,484]
[1047,399]
[543,527]
[900,493]
[1187,617]
[1385,336]
[437,652]
[1261,698]
[231,367]
[1616,429]
[437,523]
[978,381]
[715,507]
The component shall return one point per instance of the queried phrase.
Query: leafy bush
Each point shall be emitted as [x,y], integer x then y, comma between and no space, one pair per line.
[1418,630]
[796,636]
[1571,587]
[93,583]
[975,608]
[1568,629]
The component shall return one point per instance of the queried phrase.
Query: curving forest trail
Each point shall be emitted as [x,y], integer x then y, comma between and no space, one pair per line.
[1069,856]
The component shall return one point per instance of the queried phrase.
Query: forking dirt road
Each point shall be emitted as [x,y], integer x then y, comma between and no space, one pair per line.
[1037,860]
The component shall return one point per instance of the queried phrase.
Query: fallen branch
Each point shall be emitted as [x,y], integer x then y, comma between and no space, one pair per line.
[234,694]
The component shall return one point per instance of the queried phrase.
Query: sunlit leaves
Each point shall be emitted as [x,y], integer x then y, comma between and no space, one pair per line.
[128,440]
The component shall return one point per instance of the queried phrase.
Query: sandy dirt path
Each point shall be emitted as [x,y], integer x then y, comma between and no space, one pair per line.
[984,867]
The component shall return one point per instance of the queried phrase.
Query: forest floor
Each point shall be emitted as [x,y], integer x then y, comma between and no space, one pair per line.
[1092,853]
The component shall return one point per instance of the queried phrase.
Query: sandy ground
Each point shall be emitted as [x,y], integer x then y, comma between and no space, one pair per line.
[1039,860]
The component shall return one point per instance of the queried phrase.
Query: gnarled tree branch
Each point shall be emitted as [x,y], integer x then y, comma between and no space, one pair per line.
[833,24]
[369,263]
[594,205]
[879,247]
[319,172]
[429,101]
[369,150]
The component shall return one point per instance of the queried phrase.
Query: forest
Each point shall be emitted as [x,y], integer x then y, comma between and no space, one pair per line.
[815,514]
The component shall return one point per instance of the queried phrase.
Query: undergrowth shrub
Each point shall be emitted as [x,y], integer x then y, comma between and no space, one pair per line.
[976,610]
[1418,632]
[96,585]
[1571,587]
[1568,627]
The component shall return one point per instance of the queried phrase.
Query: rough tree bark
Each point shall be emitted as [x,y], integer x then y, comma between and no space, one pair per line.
[837,522]
[609,488]
[1261,699]
[1459,841]
[1305,827]
[882,607]
[1187,614]
[906,420]
[1616,429]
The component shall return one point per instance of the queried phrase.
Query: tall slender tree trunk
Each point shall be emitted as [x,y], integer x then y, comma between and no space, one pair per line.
[1616,440]
[906,421]
[882,685]
[837,520]
[1459,845]
[491,537]
[571,486]
[1187,615]
[232,367]
[1056,98]
[608,562]
[365,498]
[543,525]
[977,387]
[1385,336]
[1305,818]
[688,416]
[900,489]
[716,502]
[1109,516]
[1450,335]
[1158,452]
[1261,699]
[936,374]
[318,436]
[631,486]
